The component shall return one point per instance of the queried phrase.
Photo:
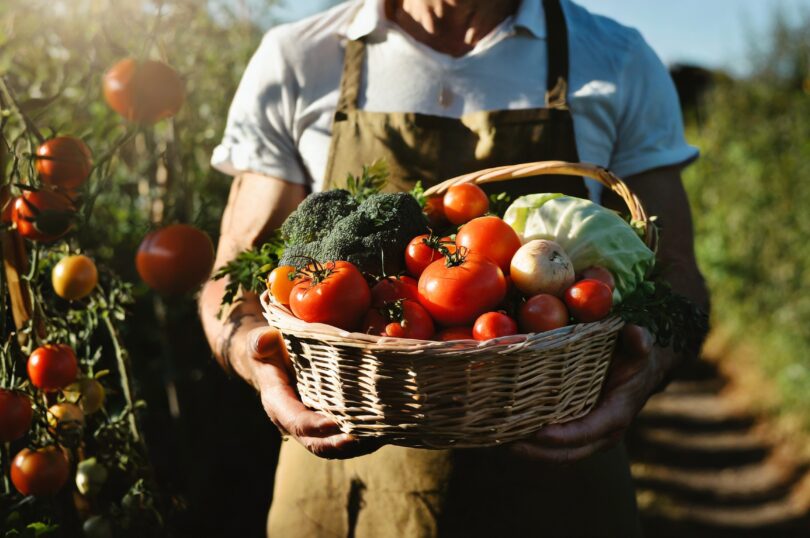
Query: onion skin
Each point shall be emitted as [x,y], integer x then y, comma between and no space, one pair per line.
[542,266]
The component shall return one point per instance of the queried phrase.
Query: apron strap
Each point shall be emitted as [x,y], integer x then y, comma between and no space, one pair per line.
[557,42]
[350,80]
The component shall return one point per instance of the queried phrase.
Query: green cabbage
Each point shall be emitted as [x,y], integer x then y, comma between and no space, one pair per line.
[589,234]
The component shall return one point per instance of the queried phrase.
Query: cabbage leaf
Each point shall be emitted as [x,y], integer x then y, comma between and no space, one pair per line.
[589,233]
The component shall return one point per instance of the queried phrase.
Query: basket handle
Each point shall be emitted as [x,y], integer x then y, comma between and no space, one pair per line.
[562,168]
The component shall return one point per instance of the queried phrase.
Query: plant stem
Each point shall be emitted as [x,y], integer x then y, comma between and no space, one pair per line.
[123,374]
[5,465]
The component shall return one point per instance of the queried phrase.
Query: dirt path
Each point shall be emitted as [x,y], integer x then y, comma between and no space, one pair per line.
[705,468]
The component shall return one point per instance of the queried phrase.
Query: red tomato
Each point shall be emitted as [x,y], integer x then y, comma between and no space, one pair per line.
[597,272]
[541,313]
[64,162]
[493,325]
[492,237]
[589,300]
[374,323]
[464,202]
[40,472]
[434,210]
[43,215]
[391,288]
[176,259]
[416,323]
[422,251]
[15,415]
[336,295]
[454,333]
[144,92]
[458,294]
[52,366]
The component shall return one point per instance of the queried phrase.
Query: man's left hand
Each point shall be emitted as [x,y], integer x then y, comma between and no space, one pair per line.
[634,374]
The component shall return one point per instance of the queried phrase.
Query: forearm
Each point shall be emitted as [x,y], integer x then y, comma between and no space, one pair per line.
[226,328]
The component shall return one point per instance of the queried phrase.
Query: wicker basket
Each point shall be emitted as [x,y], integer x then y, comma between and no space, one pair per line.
[459,394]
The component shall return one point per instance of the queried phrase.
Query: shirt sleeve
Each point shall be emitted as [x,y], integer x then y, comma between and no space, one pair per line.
[650,130]
[258,134]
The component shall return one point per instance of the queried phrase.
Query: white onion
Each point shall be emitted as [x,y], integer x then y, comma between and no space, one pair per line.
[541,266]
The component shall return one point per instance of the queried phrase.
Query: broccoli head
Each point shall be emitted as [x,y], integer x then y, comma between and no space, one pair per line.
[373,237]
[316,216]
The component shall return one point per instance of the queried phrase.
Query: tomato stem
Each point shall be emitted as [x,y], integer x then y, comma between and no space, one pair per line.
[454,259]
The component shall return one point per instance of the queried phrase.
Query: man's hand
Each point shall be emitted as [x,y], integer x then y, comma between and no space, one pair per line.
[272,375]
[635,372]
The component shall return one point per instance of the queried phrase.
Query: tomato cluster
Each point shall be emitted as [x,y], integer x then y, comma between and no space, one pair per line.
[458,285]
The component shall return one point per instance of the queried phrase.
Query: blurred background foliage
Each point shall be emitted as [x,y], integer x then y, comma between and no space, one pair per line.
[750,194]
[209,440]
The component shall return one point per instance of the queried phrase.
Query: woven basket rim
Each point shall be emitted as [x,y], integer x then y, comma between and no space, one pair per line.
[282,319]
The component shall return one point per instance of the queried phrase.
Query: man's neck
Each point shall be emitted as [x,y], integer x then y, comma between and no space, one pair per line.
[449,26]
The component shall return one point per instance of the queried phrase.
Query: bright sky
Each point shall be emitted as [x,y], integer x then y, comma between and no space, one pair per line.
[712,33]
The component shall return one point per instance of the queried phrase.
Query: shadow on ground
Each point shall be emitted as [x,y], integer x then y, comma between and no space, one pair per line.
[705,468]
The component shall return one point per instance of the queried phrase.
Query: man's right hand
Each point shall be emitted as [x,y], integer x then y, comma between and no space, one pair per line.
[272,376]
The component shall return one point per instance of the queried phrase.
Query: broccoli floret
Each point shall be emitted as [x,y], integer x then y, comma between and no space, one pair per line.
[316,216]
[335,227]
[378,231]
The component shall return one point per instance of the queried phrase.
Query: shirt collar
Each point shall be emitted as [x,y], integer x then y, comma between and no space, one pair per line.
[371,16]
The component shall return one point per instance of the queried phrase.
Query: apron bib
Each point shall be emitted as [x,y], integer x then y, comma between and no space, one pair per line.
[406,492]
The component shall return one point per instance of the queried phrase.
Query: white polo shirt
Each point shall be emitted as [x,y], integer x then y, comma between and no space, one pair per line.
[625,108]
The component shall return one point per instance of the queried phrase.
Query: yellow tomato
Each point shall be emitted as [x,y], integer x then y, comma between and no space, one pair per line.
[65,417]
[88,393]
[74,277]
[279,283]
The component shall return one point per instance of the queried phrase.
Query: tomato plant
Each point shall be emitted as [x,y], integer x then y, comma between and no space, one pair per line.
[589,300]
[74,277]
[15,415]
[43,215]
[175,259]
[334,293]
[424,250]
[543,312]
[392,288]
[460,287]
[280,284]
[52,366]
[491,237]
[64,162]
[144,92]
[40,472]
[465,202]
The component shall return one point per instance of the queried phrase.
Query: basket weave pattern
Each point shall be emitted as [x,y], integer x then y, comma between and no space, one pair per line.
[456,394]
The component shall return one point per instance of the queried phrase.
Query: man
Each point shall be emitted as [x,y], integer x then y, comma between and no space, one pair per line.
[438,88]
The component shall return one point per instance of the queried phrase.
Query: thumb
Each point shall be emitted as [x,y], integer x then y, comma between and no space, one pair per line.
[636,342]
[265,344]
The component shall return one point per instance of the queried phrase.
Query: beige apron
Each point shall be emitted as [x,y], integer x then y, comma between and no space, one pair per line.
[403,492]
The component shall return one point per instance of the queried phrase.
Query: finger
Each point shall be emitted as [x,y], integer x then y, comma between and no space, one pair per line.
[608,416]
[288,412]
[564,455]
[636,342]
[342,446]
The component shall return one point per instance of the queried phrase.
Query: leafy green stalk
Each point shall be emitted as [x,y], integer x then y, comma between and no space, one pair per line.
[671,318]
[249,270]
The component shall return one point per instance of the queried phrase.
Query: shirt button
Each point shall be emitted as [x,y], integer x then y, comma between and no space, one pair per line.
[446,97]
